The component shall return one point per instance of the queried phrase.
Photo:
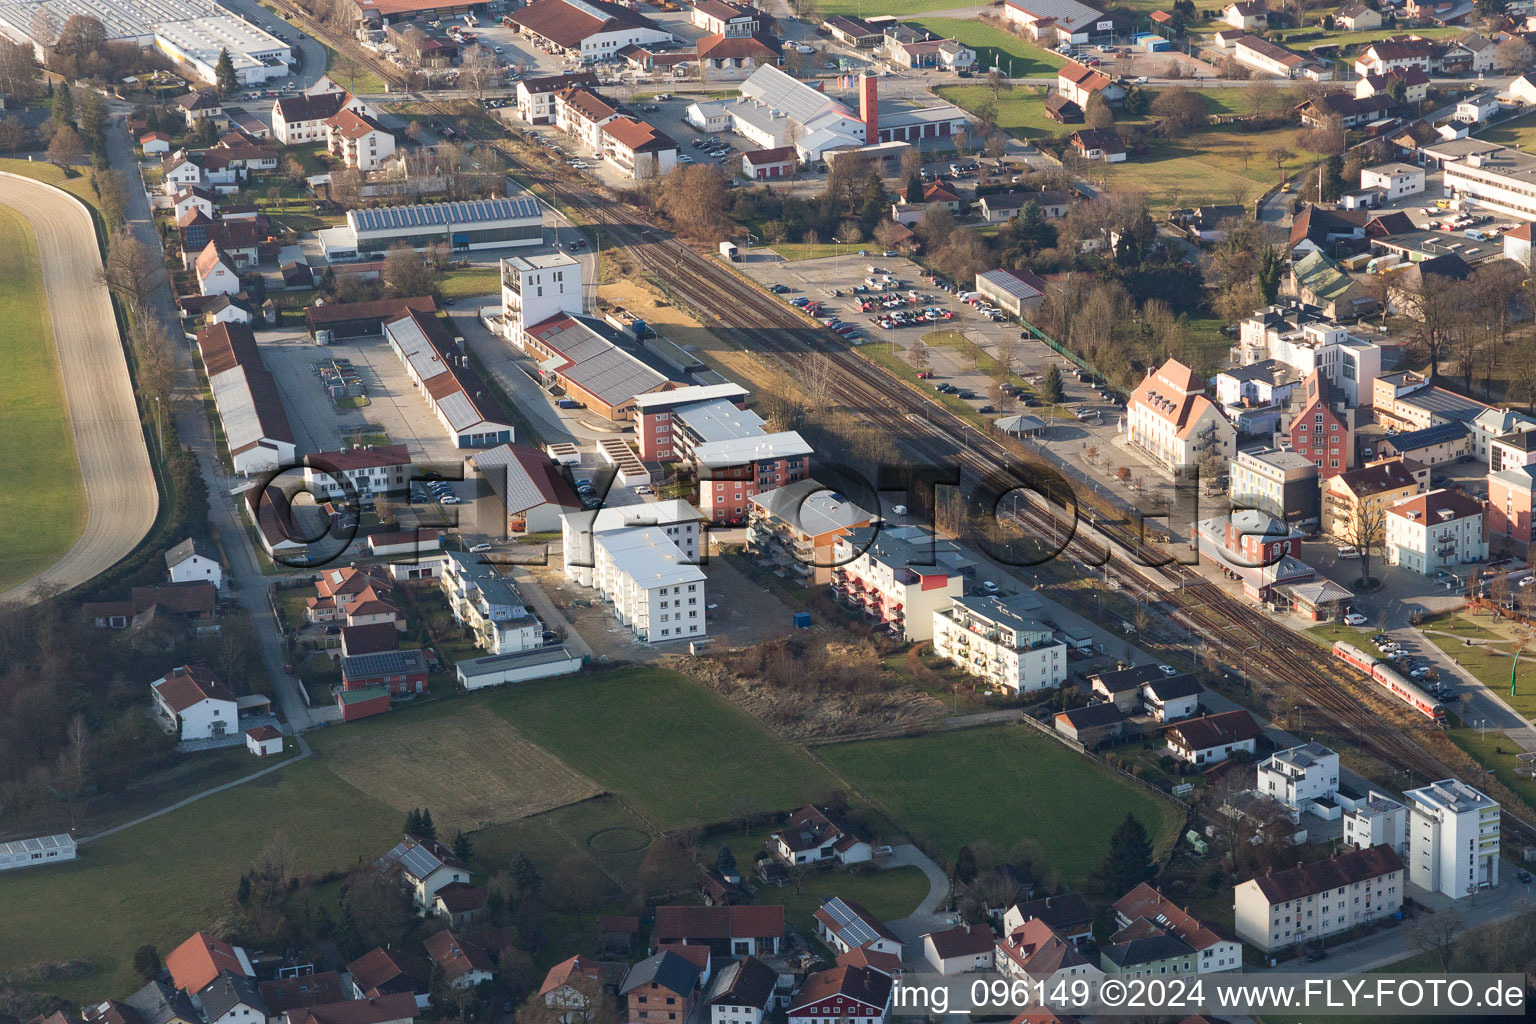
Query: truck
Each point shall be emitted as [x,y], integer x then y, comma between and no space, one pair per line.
[730,252]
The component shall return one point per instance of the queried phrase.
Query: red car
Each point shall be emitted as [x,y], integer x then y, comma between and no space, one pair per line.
[925,375]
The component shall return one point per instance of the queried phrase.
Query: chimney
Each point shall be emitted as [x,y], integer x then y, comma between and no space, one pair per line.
[869,112]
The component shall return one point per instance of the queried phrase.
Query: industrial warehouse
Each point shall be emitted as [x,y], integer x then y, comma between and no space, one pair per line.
[479,224]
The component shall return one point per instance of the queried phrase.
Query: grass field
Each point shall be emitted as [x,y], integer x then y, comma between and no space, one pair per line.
[468,765]
[467,282]
[1519,132]
[796,251]
[162,880]
[677,753]
[1214,165]
[996,48]
[888,894]
[1002,784]
[1489,662]
[36,443]
[365,82]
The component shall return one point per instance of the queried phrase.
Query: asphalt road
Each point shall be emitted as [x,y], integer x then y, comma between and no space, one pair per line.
[114,458]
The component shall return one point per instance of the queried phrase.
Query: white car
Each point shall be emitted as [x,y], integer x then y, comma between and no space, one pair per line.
[1168,670]
[1139,80]
[478,548]
[1354,619]
[1526,581]
[988,586]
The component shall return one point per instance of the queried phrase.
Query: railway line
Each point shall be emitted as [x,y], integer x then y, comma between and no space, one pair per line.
[1241,635]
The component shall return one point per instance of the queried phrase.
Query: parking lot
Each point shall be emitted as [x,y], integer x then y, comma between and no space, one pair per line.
[393,407]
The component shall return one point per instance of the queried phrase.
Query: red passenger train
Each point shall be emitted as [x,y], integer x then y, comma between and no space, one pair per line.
[1390,680]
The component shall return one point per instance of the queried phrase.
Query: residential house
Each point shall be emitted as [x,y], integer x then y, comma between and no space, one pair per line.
[1320,281]
[341,591]
[1143,950]
[899,578]
[1306,904]
[402,673]
[741,992]
[301,992]
[1357,16]
[389,1009]
[1523,91]
[1001,641]
[1068,915]
[1171,698]
[639,149]
[1035,952]
[216,272]
[1248,15]
[1396,180]
[1437,532]
[203,105]
[358,140]
[1399,55]
[1213,738]
[536,96]
[304,118]
[192,604]
[359,473]
[582,114]
[1365,491]
[193,561]
[729,931]
[461,962]
[194,705]
[680,521]
[816,835]
[660,989]
[655,588]
[461,903]
[855,995]
[1052,204]
[1122,687]
[1215,951]
[232,998]
[1410,84]
[1170,419]
[844,925]
[424,867]
[572,987]
[1453,838]
[198,962]
[1320,429]
[961,949]
[1098,144]
[1297,776]
[161,1002]
[385,971]
[1280,482]
[488,604]
[1078,83]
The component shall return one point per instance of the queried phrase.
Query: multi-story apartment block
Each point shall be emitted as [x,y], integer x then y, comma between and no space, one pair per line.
[488,604]
[1215,950]
[1364,491]
[1302,338]
[797,527]
[898,577]
[1000,641]
[1277,482]
[659,437]
[1171,421]
[1299,775]
[578,530]
[1321,428]
[655,590]
[1453,838]
[538,288]
[358,472]
[1378,820]
[1311,902]
[1436,531]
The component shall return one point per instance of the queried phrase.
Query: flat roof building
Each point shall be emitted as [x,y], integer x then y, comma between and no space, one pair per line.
[473,224]
[1453,838]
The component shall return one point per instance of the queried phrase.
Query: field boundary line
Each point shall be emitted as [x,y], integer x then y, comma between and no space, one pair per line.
[304,753]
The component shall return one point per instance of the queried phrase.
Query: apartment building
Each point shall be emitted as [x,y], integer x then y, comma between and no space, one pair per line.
[1376,485]
[358,140]
[797,527]
[582,113]
[487,604]
[1281,909]
[1214,949]
[359,472]
[655,589]
[899,578]
[536,96]
[1378,820]
[1441,530]
[538,288]
[1000,641]
[1496,177]
[1299,775]
[675,518]
[1302,338]
[1321,428]
[1171,421]
[1277,482]
[1453,838]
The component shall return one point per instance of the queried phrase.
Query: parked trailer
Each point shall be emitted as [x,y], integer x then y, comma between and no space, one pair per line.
[1390,680]
[729,251]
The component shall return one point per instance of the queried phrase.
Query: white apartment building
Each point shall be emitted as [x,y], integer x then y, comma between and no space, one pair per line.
[1453,839]
[655,590]
[360,472]
[1302,339]
[1001,642]
[536,288]
[1396,180]
[1172,422]
[1440,530]
[1303,904]
[1378,820]
[582,113]
[675,518]
[1298,775]
[486,602]
[1278,482]
[898,578]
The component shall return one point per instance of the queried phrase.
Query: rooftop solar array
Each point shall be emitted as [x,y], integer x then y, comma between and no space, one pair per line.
[853,929]
[42,844]
[444,215]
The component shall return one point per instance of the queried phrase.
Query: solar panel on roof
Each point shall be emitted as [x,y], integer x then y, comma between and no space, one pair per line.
[419,861]
[855,932]
[445,214]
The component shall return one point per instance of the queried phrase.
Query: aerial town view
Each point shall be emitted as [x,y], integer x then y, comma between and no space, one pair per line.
[767,511]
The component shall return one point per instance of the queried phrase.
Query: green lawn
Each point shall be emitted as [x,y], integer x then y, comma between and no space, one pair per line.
[160,881]
[467,282]
[1002,784]
[1495,752]
[996,48]
[1489,662]
[1330,633]
[676,752]
[1214,165]
[870,8]
[366,82]
[1519,132]
[36,442]
[796,251]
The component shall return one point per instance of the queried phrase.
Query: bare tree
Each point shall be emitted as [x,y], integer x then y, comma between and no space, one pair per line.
[132,271]
[817,380]
[479,69]
[1514,55]
[1366,530]
[1436,934]
[1434,309]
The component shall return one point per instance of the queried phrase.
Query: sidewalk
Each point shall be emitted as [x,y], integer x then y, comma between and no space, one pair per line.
[1478,702]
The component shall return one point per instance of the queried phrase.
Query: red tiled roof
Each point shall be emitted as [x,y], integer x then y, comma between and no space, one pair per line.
[586,103]
[1343,869]
[352,125]
[400,1006]
[183,687]
[362,457]
[383,971]
[722,47]
[210,257]
[862,984]
[263,733]
[380,309]
[704,923]
[764,157]
[638,136]
[196,963]
[456,956]
[567,25]
[565,970]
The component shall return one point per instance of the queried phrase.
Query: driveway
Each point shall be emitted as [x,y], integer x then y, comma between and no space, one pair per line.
[926,918]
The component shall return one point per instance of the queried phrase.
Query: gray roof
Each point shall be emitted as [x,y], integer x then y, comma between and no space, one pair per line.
[1173,687]
[379,663]
[810,507]
[228,991]
[747,982]
[593,362]
[1444,403]
[1440,433]
[416,859]
[497,663]
[445,215]
[1148,950]
[186,549]
[160,1002]
[666,969]
[782,91]
[1019,612]
[1067,12]
[1270,370]
[509,470]
[1021,284]
[495,587]
[852,927]
[41,844]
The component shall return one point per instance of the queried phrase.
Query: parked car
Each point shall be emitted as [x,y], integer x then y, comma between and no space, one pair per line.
[989,587]
[1354,619]
[476,549]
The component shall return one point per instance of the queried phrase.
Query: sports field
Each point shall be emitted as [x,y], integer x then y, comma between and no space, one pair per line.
[1002,784]
[469,766]
[677,753]
[37,448]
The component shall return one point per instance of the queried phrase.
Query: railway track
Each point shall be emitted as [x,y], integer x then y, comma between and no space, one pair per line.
[786,337]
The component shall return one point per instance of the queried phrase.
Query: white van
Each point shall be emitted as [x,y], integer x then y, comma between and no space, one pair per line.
[1348,552]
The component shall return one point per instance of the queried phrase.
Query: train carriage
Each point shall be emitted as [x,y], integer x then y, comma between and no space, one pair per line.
[1390,679]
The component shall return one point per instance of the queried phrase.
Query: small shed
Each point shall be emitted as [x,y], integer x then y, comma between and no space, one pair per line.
[264,740]
[364,703]
[1156,44]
